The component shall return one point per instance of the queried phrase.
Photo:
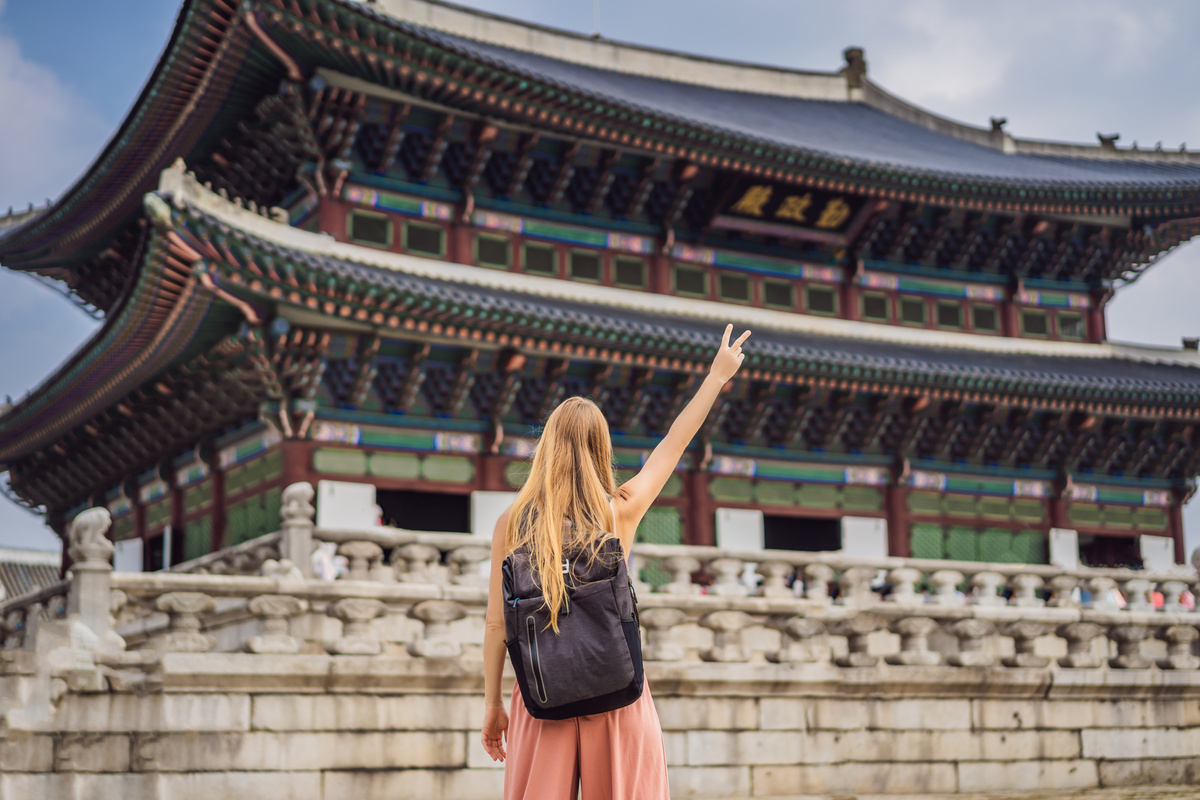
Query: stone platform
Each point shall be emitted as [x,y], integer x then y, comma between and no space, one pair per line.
[240,676]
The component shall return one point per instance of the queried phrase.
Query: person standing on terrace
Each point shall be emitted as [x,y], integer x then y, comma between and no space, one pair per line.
[618,754]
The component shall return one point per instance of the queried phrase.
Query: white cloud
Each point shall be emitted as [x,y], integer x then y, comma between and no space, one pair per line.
[48,135]
[948,53]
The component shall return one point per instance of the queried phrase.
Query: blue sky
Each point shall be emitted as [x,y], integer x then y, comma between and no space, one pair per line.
[1058,69]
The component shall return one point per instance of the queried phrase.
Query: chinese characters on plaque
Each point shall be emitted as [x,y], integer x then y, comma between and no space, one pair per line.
[792,206]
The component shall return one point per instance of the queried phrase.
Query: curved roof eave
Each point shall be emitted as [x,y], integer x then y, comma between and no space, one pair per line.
[169,116]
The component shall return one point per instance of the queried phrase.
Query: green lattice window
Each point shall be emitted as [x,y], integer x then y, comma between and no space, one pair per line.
[197,497]
[158,513]
[661,525]
[425,239]
[1071,326]
[629,272]
[197,539]
[779,294]
[875,307]
[927,541]
[985,319]
[491,251]
[365,227]
[540,259]
[124,527]
[962,543]
[253,517]
[820,300]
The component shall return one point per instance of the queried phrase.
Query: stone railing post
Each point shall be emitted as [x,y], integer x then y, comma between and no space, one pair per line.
[728,574]
[296,526]
[1172,591]
[1129,640]
[436,641]
[357,638]
[970,633]
[1062,591]
[1079,636]
[1137,594]
[904,587]
[727,627]
[363,559]
[914,642]
[1025,586]
[945,587]
[798,641]
[855,587]
[1102,590]
[986,589]
[183,633]
[1025,635]
[774,575]
[1179,639]
[660,644]
[274,609]
[816,583]
[466,562]
[857,630]
[680,568]
[91,576]
[418,563]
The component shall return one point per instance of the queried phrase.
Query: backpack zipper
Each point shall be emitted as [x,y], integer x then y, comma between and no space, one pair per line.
[538,681]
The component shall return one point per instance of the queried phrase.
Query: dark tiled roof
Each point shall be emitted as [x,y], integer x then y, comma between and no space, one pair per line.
[1110,379]
[20,575]
[851,130]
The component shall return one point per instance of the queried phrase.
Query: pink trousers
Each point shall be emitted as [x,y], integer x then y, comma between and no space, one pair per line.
[617,755]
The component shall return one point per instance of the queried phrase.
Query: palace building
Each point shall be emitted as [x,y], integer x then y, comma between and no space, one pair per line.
[375,243]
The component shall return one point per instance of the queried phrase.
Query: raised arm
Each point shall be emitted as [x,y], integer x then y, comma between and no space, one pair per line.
[635,495]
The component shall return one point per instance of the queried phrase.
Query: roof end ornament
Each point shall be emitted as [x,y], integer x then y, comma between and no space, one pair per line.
[1108,141]
[855,70]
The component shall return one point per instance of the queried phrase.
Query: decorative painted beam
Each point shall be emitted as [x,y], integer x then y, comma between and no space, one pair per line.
[460,390]
[566,170]
[368,367]
[522,165]
[485,138]
[395,138]
[437,149]
[641,193]
[639,400]
[414,379]
[604,181]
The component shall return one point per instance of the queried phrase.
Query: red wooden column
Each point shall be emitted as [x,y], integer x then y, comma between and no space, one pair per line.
[297,461]
[176,529]
[1175,526]
[895,503]
[332,216]
[1009,323]
[851,308]
[217,532]
[660,274]
[458,244]
[698,524]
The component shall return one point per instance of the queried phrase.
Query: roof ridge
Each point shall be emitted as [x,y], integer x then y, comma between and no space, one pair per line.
[849,83]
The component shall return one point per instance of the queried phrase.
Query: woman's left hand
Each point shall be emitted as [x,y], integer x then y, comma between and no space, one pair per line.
[495,727]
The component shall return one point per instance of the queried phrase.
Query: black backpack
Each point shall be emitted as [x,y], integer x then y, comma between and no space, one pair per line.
[594,663]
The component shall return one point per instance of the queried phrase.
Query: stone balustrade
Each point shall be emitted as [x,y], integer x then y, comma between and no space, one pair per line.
[423,594]
[787,635]
[21,616]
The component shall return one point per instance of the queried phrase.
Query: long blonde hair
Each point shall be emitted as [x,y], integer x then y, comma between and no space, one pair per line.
[564,505]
